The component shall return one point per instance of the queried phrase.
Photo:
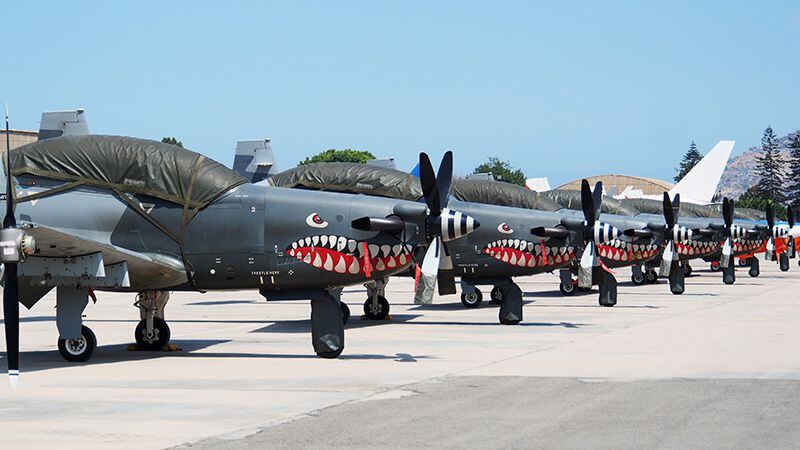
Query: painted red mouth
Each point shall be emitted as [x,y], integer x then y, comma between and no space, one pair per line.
[342,255]
[521,253]
[746,245]
[696,248]
[618,250]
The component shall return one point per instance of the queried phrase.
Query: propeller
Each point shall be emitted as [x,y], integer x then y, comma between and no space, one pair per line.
[790,249]
[595,232]
[442,225]
[10,240]
[727,246]
[673,233]
[774,232]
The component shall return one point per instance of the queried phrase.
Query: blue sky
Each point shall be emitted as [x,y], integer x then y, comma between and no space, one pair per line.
[559,90]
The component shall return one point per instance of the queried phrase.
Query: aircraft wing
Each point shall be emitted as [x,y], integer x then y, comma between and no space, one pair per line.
[146,271]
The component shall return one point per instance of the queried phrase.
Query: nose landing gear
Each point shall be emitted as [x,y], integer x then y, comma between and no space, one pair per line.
[152,332]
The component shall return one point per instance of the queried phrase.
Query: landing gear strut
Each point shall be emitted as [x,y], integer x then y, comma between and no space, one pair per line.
[637,276]
[376,307]
[152,332]
[567,286]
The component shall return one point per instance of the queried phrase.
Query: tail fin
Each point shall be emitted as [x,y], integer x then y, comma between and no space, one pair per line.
[700,184]
[63,123]
[255,160]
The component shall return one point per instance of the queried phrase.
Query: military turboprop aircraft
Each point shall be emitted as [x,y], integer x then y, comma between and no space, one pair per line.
[93,213]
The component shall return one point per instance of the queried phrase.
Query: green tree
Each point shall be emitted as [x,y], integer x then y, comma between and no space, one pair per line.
[172,141]
[768,167]
[793,191]
[502,170]
[690,159]
[346,155]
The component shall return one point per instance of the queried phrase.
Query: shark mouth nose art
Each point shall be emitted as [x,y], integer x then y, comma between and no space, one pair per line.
[696,248]
[339,254]
[746,245]
[522,253]
[618,250]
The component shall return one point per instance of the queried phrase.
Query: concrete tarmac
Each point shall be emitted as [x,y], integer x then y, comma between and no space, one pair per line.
[715,367]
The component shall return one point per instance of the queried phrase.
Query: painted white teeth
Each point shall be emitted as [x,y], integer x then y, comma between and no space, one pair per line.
[402,259]
[408,248]
[341,243]
[315,240]
[373,250]
[515,243]
[397,250]
[513,259]
[530,246]
[328,264]
[505,242]
[385,250]
[331,241]
[294,245]
[379,266]
[351,245]
[324,241]
[505,256]
[317,261]
[307,258]
[391,262]
[354,267]
[341,267]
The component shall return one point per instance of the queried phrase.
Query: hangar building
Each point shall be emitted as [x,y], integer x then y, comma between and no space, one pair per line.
[614,184]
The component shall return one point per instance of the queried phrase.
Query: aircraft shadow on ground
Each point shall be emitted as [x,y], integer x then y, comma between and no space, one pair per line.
[40,360]
[304,325]
[223,302]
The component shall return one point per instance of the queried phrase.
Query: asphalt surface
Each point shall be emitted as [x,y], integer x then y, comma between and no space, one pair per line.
[528,412]
[715,367]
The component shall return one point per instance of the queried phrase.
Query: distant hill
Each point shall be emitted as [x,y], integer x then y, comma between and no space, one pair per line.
[740,173]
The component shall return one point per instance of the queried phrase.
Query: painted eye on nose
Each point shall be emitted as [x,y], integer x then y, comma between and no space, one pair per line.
[315,221]
[504,228]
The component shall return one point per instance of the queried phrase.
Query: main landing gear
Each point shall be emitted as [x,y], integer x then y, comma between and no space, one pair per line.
[76,342]
[505,292]
[376,307]
[152,332]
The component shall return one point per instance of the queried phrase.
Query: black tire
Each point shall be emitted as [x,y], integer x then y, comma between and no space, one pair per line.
[568,288]
[744,262]
[376,312]
[472,300]
[78,350]
[716,267]
[509,322]
[687,270]
[496,295]
[158,340]
[330,355]
[638,279]
[345,312]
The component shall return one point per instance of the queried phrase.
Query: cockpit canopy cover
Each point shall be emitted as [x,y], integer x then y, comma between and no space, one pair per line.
[127,164]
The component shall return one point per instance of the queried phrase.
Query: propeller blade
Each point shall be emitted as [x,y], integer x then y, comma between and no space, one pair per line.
[666,259]
[597,199]
[676,206]
[771,216]
[430,190]
[11,283]
[586,264]
[669,214]
[769,250]
[727,211]
[444,177]
[11,317]
[446,278]
[790,216]
[587,203]
[727,250]
[430,263]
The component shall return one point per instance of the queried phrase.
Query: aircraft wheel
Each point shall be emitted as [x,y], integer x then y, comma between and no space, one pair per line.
[568,288]
[331,355]
[651,277]
[638,279]
[744,262]
[715,267]
[496,295]
[78,349]
[375,312]
[345,312]
[687,270]
[472,299]
[155,340]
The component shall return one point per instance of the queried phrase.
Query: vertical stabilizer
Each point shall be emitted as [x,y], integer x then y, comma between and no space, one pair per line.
[63,123]
[255,160]
[700,184]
